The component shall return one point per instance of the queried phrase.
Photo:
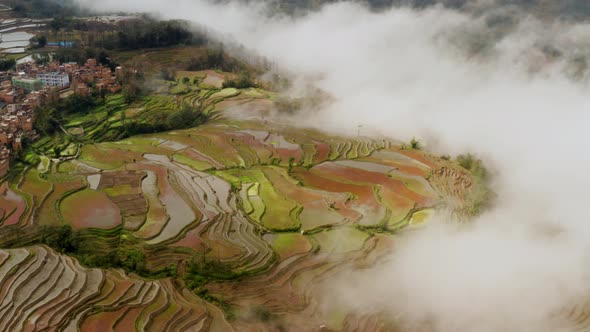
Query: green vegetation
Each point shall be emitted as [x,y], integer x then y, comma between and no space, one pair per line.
[6,63]
[79,55]
[284,216]
[108,121]
[94,248]
[288,244]
[152,34]
[195,164]
[130,35]
[243,81]
[203,269]
[43,8]
[215,58]
[413,145]
[331,240]
[481,197]
[288,105]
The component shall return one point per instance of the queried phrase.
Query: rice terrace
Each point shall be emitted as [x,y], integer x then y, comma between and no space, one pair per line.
[225,225]
[168,185]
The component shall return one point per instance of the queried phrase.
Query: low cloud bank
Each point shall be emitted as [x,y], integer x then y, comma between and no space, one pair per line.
[515,92]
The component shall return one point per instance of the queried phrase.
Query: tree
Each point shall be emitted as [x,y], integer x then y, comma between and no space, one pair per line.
[42,41]
[185,117]
[131,90]
[168,74]
[243,81]
[57,23]
[133,260]
[45,120]
[132,82]
[60,238]
[6,63]
[41,59]
[288,105]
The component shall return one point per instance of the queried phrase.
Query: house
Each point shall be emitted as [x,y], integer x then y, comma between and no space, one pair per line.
[28,84]
[57,79]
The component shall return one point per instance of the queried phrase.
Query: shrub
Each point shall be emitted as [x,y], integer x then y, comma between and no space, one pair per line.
[481,196]
[167,74]
[288,105]
[473,164]
[60,238]
[243,81]
[415,144]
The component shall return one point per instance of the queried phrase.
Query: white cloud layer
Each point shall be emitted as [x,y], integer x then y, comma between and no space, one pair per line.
[406,73]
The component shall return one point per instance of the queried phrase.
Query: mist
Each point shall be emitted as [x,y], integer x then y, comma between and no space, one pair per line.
[515,94]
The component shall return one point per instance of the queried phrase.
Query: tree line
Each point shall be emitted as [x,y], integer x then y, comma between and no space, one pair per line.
[143,32]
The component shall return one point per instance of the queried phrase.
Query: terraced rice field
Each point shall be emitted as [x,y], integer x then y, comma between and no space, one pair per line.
[90,209]
[49,212]
[13,207]
[232,224]
[289,244]
[44,290]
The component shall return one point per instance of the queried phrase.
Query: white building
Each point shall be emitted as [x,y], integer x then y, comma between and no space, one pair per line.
[54,79]
[12,108]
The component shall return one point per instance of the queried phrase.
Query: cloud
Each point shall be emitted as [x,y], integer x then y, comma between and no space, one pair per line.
[515,93]
[482,278]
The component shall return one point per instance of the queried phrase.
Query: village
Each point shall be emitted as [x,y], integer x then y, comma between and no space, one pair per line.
[32,86]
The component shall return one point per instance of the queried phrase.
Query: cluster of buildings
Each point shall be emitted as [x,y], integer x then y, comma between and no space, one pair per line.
[16,124]
[79,79]
[32,86]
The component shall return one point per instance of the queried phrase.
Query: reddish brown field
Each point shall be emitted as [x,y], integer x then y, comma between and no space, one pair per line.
[261,149]
[322,152]
[363,194]
[127,323]
[14,206]
[102,321]
[194,154]
[156,209]
[401,166]
[90,209]
[418,155]
[316,204]
[241,109]
[192,239]
[355,175]
[213,78]
[224,151]
[286,154]
[399,205]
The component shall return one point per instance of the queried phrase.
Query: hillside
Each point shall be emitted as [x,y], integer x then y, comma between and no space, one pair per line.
[231,224]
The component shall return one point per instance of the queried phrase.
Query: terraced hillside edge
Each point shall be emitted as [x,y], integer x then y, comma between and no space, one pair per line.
[226,226]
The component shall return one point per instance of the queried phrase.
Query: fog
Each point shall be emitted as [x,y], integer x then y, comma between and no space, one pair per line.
[461,84]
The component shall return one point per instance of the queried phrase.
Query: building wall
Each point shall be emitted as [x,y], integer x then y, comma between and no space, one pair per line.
[27,84]
[54,79]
